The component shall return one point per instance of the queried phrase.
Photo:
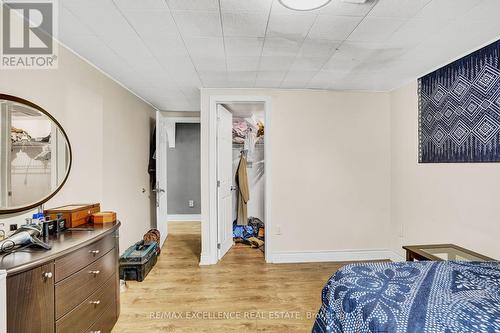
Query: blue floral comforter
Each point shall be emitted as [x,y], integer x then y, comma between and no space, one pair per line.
[426,296]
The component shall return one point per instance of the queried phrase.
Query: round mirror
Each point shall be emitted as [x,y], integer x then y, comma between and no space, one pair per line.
[35,155]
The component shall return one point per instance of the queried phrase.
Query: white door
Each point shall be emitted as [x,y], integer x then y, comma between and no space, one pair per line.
[161,176]
[225,179]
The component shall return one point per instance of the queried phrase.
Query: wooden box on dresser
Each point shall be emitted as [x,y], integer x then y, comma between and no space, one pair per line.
[72,288]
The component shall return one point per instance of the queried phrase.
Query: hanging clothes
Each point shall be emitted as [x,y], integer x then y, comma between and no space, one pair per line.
[243,191]
[249,144]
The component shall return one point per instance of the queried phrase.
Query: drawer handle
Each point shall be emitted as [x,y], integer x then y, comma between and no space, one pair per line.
[94,272]
[94,252]
[95,302]
[95,332]
[47,275]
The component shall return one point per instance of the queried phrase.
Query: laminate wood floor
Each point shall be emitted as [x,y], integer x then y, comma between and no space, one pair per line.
[240,294]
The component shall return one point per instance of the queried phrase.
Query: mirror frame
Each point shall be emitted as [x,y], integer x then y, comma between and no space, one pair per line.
[53,193]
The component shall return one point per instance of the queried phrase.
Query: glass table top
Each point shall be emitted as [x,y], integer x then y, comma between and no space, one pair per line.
[449,253]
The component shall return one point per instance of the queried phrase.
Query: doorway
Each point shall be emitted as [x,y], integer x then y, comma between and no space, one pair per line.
[236,118]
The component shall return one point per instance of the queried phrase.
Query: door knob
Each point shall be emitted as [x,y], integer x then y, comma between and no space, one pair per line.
[47,275]
[95,302]
[94,252]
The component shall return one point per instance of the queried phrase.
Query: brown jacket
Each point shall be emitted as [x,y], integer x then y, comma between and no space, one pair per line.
[243,191]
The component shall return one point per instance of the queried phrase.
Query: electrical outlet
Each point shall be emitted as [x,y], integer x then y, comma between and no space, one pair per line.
[278,230]
[191,203]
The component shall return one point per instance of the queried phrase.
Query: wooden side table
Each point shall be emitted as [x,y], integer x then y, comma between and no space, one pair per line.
[439,252]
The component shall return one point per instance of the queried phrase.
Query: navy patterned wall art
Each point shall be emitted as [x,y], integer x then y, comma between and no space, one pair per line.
[459,110]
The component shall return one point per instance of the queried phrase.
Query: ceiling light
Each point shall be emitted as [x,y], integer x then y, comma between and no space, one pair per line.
[304,4]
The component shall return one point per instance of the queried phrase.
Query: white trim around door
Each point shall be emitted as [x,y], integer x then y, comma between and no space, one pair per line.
[209,225]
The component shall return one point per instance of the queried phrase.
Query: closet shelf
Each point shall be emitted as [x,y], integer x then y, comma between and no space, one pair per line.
[24,144]
[242,144]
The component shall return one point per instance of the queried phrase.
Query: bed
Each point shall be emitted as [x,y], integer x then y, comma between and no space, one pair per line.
[425,296]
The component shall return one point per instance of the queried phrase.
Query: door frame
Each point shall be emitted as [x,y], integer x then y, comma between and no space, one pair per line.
[161,173]
[209,230]
[171,123]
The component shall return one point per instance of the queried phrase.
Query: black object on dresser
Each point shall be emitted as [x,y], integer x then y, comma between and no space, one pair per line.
[72,288]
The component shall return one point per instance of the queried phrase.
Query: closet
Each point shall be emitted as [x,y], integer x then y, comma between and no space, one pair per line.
[248,152]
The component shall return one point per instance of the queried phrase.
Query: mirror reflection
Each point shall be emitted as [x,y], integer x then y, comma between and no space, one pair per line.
[35,155]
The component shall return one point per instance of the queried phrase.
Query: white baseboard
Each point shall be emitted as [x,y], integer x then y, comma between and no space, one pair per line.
[184,217]
[339,255]
[206,260]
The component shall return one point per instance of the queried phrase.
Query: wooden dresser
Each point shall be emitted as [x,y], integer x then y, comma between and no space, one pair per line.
[72,288]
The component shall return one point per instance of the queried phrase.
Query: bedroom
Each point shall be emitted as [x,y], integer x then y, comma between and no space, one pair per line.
[345,180]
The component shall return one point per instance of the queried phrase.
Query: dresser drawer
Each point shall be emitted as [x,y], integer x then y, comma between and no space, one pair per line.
[105,322]
[89,311]
[74,289]
[79,259]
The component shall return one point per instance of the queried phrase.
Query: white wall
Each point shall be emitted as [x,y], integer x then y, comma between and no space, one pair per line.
[439,203]
[109,131]
[330,177]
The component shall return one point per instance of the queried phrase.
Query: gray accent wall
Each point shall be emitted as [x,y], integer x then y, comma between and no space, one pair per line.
[183,170]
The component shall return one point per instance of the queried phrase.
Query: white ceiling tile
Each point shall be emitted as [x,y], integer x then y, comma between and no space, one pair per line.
[208,63]
[321,80]
[191,93]
[70,26]
[318,47]
[240,84]
[338,7]
[293,26]
[375,29]
[242,63]
[131,47]
[485,10]
[253,5]
[278,46]
[415,31]
[398,8]
[447,9]
[297,79]
[165,46]
[308,63]
[242,76]
[213,76]
[152,22]
[267,83]
[106,23]
[243,46]
[105,59]
[141,5]
[350,55]
[104,4]
[203,5]
[275,63]
[333,27]
[198,23]
[148,53]
[178,65]
[271,75]
[201,46]
[244,24]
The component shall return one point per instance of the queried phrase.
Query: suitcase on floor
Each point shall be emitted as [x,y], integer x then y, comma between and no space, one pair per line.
[138,260]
